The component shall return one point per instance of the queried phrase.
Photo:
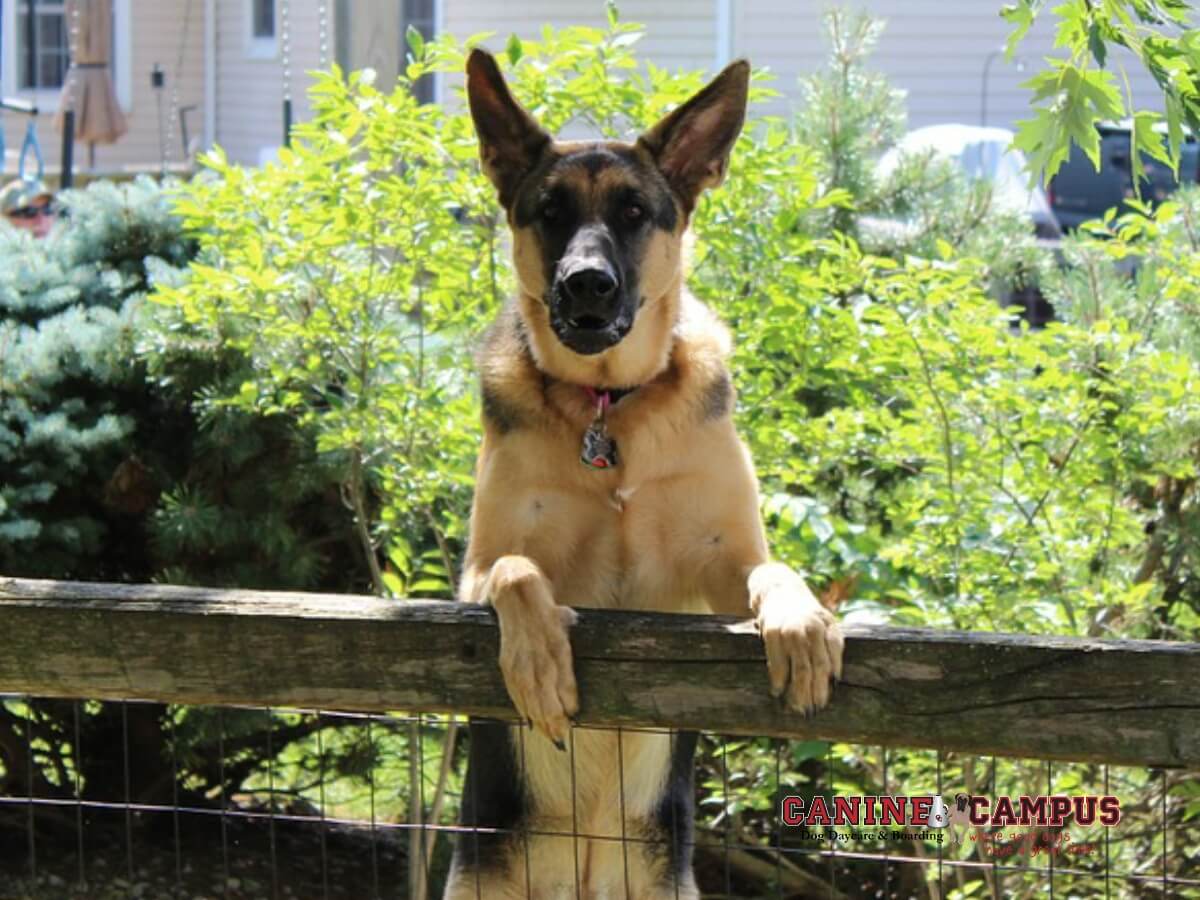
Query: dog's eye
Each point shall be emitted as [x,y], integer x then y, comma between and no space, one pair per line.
[633,213]
[550,212]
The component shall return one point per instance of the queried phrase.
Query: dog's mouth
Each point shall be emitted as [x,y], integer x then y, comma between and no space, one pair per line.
[588,334]
[587,323]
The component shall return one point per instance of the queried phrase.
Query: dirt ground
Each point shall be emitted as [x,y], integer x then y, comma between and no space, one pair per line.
[164,858]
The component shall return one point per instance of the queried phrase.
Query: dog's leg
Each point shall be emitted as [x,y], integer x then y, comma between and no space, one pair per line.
[535,653]
[801,637]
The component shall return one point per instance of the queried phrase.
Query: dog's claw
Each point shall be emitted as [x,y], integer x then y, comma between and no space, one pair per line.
[560,744]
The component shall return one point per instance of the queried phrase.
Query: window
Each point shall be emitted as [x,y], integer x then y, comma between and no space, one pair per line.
[263,19]
[421,15]
[261,35]
[41,65]
[51,50]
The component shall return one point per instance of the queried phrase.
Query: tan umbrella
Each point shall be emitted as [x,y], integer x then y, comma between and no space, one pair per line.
[89,89]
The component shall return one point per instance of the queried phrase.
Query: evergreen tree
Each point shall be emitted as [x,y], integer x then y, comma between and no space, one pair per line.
[71,484]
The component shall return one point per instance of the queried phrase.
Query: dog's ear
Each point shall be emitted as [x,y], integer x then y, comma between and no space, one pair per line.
[510,141]
[691,145]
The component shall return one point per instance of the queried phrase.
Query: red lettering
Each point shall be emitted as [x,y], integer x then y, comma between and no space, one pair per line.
[870,818]
[1033,811]
[1110,811]
[978,814]
[1059,807]
[793,810]
[1085,810]
[893,810]
[818,812]
[921,807]
[1003,814]
[845,810]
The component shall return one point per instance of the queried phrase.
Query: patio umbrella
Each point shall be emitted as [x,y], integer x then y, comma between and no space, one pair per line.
[89,89]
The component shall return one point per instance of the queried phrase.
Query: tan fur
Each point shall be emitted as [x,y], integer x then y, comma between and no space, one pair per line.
[674,527]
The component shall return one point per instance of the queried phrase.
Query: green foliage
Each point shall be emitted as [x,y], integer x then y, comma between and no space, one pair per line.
[920,204]
[1142,271]
[1080,90]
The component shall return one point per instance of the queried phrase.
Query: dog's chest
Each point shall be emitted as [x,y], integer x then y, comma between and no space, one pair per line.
[623,542]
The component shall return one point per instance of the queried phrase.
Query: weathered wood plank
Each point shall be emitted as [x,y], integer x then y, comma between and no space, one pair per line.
[1129,702]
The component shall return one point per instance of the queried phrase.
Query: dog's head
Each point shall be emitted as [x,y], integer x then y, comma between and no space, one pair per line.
[597,226]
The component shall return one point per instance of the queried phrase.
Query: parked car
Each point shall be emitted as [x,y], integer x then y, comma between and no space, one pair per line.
[987,154]
[1079,193]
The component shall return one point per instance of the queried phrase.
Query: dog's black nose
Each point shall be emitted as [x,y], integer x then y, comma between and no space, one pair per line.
[591,285]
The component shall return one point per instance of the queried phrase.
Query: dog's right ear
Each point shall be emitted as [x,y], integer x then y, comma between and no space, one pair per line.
[510,141]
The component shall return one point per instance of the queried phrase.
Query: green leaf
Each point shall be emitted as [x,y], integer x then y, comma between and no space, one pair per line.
[416,43]
[514,49]
[1096,44]
[1020,16]
[393,584]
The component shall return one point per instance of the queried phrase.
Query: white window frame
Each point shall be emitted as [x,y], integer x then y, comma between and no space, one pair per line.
[47,99]
[261,47]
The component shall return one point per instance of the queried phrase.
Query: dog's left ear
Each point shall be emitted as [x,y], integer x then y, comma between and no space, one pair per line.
[510,140]
[692,144]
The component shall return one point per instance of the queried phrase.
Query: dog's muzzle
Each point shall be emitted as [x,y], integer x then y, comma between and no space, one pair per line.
[587,307]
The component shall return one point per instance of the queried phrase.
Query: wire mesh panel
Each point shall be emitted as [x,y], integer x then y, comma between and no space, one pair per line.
[147,800]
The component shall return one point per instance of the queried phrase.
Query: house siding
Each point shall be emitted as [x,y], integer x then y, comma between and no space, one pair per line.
[249,101]
[933,51]
[169,32]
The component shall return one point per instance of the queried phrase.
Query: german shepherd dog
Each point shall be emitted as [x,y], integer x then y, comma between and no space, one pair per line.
[604,357]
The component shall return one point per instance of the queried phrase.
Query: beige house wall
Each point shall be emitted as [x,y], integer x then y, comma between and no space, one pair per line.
[249,87]
[933,50]
[167,32]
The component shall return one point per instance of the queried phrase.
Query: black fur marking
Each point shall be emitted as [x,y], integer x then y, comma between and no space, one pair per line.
[663,211]
[718,398]
[500,413]
[599,157]
[529,193]
[676,813]
[492,797]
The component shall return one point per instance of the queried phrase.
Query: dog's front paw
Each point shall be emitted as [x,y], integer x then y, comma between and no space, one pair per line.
[801,637]
[535,652]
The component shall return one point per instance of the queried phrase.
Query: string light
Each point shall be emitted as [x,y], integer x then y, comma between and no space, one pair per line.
[173,109]
[322,35]
[73,45]
[285,49]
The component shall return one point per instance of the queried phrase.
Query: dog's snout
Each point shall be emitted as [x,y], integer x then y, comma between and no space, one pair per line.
[591,285]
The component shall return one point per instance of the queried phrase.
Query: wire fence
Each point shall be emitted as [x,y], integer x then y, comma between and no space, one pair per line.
[147,800]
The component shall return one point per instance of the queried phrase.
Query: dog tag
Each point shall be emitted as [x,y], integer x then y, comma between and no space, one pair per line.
[599,449]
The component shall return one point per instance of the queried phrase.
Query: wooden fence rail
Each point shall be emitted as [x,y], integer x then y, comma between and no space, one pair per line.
[1122,702]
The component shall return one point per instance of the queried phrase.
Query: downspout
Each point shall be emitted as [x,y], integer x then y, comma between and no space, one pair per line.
[210,73]
[724,33]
